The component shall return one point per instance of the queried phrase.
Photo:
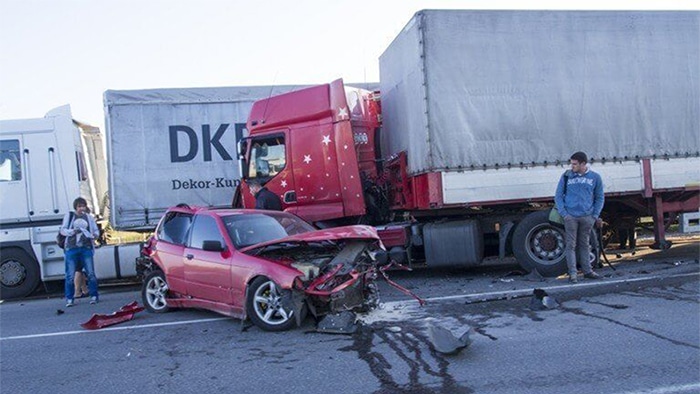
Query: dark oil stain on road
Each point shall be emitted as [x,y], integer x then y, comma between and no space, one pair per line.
[613,306]
[413,347]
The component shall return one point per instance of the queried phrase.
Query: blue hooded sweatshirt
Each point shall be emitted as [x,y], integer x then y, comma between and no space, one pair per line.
[583,197]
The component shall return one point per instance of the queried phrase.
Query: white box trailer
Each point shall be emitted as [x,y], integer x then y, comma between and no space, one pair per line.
[172,146]
[474,90]
[45,164]
[497,101]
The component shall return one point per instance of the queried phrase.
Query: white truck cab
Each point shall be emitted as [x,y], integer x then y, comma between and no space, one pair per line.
[43,168]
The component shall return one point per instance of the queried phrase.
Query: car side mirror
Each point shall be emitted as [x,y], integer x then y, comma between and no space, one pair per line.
[213,246]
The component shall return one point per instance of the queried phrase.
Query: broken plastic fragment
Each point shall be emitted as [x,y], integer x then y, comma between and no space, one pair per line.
[338,323]
[542,300]
[444,341]
[124,313]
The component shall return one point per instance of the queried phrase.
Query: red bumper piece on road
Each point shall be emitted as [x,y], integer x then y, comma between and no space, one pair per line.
[124,313]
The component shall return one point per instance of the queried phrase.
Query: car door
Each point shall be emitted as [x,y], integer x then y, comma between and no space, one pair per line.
[208,272]
[171,236]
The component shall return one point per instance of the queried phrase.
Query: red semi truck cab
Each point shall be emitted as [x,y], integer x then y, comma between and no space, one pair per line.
[314,148]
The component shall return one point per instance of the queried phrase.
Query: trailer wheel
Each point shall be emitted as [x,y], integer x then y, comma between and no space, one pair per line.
[19,273]
[540,245]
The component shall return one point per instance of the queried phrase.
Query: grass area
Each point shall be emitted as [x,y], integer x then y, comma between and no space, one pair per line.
[115,237]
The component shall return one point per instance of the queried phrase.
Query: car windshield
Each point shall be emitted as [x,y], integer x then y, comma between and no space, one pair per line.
[251,229]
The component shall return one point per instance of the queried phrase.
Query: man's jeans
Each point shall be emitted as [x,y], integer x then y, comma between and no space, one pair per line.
[578,232]
[74,255]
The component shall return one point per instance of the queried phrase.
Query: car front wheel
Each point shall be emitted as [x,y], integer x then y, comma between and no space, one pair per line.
[267,307]
[154,292]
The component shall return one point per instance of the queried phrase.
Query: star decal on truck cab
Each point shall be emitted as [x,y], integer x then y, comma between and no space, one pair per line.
[342,113]
[326,140]
[307,159]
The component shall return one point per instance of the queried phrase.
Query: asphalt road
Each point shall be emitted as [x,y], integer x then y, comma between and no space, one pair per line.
[636,331]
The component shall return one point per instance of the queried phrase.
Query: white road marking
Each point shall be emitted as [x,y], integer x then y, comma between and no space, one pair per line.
[55,334]
[668,389]
[509,294]
[479,296]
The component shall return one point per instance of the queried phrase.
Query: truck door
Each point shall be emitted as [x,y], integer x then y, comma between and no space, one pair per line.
[12,180]
[41,164]
[268,160]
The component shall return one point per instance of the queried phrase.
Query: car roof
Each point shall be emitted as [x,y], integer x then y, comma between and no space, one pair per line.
[194,209]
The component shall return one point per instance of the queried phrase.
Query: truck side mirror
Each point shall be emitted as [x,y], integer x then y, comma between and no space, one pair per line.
[241,148]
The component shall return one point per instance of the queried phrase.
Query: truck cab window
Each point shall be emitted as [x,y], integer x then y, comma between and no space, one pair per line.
[10,164]
[267,157]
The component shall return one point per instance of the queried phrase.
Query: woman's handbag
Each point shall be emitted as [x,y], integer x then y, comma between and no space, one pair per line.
[60,238]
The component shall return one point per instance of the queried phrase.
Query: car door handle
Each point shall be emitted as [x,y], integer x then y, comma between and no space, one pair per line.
[189,257]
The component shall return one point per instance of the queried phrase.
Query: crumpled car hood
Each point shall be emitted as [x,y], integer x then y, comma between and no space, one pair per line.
[330,234]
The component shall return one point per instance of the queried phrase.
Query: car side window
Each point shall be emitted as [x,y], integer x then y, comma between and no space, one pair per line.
[175,228]
[205,229]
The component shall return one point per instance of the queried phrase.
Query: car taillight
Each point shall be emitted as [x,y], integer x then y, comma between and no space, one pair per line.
[149,247]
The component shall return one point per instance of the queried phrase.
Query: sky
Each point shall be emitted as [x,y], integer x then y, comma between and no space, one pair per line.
[56,52]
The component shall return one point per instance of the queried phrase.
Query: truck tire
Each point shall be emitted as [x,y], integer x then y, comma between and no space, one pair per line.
[19,273]
[537,244]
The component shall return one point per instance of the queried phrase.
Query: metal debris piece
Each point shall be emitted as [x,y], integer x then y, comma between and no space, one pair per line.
[444,341]
[541,301]
[124,313]
[338,323]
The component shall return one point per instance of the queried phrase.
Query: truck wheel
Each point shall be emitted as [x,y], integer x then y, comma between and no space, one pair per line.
[154,292]
[19,273]
[540,245]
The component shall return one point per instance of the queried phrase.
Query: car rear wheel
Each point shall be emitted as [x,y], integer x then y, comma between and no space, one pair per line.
[154,292]
[267,305]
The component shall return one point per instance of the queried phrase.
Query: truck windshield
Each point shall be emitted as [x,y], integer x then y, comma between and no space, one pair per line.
[267,157]
[251,229]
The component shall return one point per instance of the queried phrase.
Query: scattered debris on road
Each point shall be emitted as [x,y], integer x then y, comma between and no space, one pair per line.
[124,314]
[541,301]
[338,323]
[445,341]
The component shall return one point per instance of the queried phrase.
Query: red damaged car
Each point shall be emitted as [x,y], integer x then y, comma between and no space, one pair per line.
[270,267]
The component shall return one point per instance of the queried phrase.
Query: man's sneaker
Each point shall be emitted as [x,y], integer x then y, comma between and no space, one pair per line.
[94,300]
[573,279]
[69,303]
[592,275]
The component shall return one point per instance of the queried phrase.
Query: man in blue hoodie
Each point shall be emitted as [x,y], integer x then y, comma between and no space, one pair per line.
[579,200]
